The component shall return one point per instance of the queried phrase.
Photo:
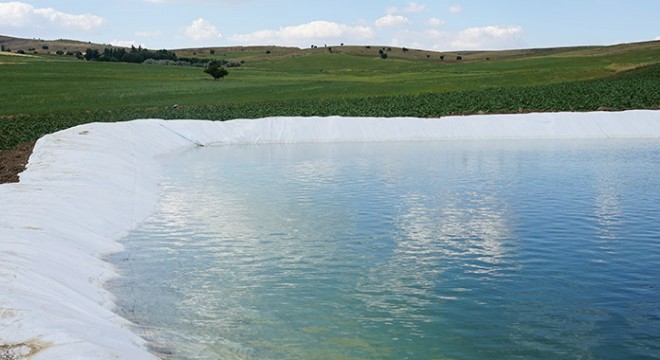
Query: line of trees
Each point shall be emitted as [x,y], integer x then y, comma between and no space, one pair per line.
[140,55]
[133,55]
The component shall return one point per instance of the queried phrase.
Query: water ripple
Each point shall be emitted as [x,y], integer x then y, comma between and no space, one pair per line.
[545,249]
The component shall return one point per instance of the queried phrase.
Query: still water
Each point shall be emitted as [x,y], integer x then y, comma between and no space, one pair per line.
[428,250]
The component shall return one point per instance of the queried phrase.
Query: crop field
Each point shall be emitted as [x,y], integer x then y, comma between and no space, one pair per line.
[46,93]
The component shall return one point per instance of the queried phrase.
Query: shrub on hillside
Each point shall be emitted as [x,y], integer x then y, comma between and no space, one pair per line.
[215,69]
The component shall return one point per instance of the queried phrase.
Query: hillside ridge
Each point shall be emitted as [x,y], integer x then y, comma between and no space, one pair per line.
[41,46]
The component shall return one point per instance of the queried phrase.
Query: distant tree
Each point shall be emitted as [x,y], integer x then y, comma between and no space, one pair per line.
[459,58]
[383,55]
[428,56]
[212,52]
[442,58]
[215,69]
[404,49]
[59,52]
[2,47]
[45,47]
[20,52]
[267,51]
[381,52]
[92,54]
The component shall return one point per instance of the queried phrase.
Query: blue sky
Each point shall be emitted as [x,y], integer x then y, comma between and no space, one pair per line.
[433,24]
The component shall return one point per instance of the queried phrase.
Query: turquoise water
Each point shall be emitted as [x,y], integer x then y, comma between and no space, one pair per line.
[438,250]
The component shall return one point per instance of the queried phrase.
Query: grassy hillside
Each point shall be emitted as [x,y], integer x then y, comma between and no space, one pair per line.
[41,46]
[47,92]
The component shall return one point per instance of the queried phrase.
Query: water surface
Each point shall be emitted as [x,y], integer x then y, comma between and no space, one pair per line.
[433,250]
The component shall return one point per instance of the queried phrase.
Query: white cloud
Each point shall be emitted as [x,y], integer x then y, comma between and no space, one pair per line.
[391,10]
[20,14]
[435,22]
[197,1]
[148,34]
[202,30]
[302,35]
[488,37]
[126,43]
[429,39]
[392,20]
[455,9]
[657,38]
[414,7]
[483,38]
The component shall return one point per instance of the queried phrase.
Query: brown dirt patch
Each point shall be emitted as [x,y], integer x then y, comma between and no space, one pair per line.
[22,350]
[17,55]
[12,162]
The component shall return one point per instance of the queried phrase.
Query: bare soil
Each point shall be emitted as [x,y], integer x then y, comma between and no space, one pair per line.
[12,162]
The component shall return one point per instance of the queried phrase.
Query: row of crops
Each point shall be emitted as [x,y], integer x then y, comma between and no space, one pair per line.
[636,89]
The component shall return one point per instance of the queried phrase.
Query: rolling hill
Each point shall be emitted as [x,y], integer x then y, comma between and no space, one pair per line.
[48,90]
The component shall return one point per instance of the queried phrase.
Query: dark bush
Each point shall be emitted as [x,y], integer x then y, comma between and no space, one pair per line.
[215,69]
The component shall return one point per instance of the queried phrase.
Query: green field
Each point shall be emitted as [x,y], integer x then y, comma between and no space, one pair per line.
[47,93]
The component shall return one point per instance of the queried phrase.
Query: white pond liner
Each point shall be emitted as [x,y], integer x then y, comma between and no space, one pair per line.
[85,187]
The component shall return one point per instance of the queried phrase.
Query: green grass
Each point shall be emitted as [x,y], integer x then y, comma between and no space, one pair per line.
[46,94]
